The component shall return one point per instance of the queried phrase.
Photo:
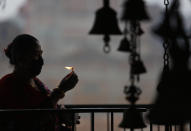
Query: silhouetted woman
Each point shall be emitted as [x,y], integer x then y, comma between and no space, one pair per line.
[21,89]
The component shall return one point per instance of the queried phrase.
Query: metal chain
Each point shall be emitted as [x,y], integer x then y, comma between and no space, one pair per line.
[166,42]
[133,52]
[166,55]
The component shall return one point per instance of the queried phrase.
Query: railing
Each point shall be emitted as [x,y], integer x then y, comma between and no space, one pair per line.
[110,110]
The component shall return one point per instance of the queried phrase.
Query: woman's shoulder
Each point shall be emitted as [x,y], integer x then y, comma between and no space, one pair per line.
[6,83]
[42,86]
[6,79]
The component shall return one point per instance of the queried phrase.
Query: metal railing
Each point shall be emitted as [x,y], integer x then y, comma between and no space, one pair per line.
[110,110]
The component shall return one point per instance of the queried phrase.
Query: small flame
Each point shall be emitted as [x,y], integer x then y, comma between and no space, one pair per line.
[69,68]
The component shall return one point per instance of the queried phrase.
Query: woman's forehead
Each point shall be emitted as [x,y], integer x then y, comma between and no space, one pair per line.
[38,49]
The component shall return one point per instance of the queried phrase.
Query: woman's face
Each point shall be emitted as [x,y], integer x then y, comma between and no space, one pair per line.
[32,62]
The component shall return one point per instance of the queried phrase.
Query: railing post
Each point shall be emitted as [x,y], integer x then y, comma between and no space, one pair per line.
[158,127]
[74,122]
[170,127]
[151,127]
[175,128]
[131,129]
[108,122]
[112,121]
[92,121]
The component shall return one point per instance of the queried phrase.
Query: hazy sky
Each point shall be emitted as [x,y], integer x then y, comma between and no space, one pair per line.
[11,8]
[13,5]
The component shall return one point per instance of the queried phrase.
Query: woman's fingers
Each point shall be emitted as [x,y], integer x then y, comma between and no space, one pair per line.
[69,82]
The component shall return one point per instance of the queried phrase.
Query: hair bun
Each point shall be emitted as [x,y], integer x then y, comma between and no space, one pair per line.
[8,52]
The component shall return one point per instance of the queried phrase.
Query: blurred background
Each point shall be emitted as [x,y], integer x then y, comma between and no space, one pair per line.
[62,28]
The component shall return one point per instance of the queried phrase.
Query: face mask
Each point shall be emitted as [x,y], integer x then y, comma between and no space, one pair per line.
[36,66]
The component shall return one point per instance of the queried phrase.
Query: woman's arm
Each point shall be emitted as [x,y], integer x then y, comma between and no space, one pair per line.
[66,84]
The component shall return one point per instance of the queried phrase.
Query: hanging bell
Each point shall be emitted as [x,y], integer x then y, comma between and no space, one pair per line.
[105,21]
[169,111]
[133,119]
[134,10]
[106,24]
[171,104]
[161,29]
[124,45]
[138,67]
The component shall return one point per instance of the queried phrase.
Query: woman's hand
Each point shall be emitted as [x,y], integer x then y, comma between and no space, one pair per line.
[68,82]
[56,95]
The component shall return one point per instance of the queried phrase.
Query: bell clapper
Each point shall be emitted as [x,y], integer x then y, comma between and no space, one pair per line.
[106,40]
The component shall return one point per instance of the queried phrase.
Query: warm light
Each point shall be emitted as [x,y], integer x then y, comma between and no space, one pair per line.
[69,68]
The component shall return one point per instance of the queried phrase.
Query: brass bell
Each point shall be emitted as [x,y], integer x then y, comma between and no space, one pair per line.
[138,67]
[133,119]
[134,10]
[172,104]
[106,21]
[124,45]
[166,111]
[161,30]
[106,24]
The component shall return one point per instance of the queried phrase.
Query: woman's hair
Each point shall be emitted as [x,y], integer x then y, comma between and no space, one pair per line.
[21,46]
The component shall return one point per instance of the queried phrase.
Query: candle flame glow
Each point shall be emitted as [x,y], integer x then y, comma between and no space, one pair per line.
[69,67]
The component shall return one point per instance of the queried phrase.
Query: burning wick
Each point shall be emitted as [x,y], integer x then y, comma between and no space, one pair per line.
[67,76]
[69,68]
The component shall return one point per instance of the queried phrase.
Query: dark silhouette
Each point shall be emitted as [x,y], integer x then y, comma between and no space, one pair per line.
[21,89]
[172,104]
[105,24]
